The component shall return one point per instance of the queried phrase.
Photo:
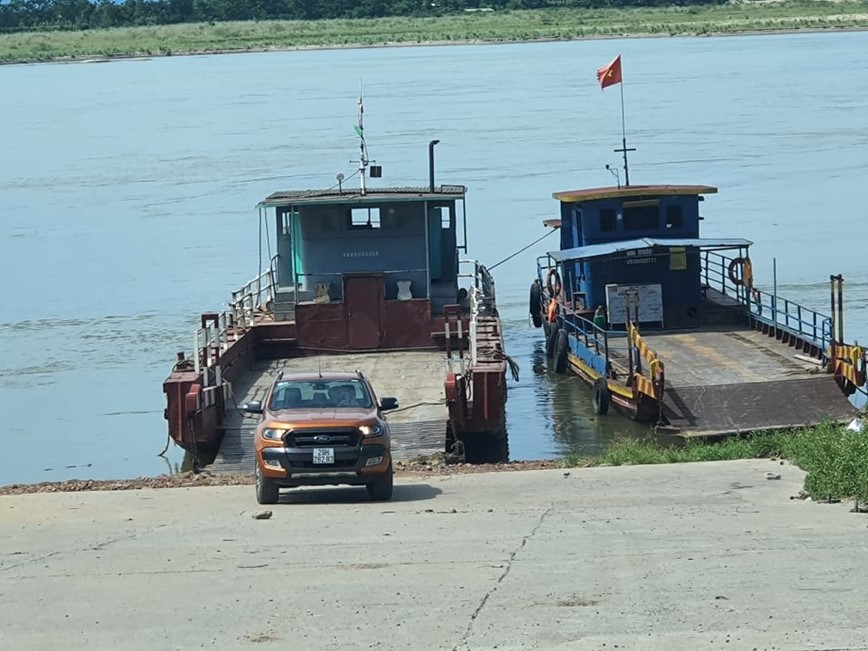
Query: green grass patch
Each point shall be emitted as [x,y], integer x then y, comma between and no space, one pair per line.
[496,26]
[835,458]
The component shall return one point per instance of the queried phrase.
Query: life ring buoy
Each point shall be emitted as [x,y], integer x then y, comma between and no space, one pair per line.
[556,286]
[745,277]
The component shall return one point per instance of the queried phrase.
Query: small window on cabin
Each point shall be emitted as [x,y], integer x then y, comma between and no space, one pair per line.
[642,218]
[608,220]
[361,218]
[674,217]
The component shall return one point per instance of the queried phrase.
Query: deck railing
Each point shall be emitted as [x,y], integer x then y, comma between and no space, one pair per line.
[219,330]
[483,281]
[651,384]
[776,312]
[254,297]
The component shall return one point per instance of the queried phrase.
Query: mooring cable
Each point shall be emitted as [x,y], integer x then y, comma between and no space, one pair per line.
[521,250]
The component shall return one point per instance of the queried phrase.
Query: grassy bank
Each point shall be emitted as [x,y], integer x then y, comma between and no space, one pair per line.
[835,459]
[474,27]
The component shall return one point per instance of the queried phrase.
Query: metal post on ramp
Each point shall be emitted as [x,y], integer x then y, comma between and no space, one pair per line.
[775,299]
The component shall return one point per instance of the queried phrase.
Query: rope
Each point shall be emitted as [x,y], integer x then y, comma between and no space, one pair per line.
[521,250]
[418,404]
[166,449]
[513,365]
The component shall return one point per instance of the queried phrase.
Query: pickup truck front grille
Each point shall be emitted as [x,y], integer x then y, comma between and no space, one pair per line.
[318,438]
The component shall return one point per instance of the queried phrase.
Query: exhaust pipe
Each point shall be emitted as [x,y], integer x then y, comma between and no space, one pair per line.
[431,164]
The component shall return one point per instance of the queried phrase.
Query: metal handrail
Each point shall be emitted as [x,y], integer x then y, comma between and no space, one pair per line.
[589,333]
[254,296]
[761,305]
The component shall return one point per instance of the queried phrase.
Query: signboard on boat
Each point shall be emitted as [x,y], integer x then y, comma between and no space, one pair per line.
[649,297]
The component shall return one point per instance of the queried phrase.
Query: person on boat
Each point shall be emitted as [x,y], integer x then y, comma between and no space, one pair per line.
[600,317]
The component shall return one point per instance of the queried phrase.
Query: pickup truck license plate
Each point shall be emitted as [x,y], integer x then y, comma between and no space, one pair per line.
[323,455]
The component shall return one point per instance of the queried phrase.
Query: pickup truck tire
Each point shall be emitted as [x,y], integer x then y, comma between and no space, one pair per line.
[381,489]
[267,490]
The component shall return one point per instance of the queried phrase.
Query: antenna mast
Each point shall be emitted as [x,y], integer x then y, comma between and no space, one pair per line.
[363,148]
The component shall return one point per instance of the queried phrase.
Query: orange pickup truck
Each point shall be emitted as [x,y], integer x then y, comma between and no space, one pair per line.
[319,429]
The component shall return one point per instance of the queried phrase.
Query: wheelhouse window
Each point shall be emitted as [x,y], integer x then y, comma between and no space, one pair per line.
[364,218]
[608,220]
[641,218]
[308,394]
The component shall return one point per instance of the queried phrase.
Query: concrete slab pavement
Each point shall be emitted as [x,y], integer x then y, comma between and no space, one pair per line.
[692,556]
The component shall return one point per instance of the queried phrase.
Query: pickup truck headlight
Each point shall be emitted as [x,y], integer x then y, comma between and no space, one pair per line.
[370,431]
[272,434]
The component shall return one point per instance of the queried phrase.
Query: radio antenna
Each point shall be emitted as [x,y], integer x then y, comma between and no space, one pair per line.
[363,147]
[364,162]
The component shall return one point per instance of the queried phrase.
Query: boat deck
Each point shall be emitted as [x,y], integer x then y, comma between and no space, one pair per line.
[415,378]
[731,379]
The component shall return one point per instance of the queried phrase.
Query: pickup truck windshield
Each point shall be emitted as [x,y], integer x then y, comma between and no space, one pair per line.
[318,394]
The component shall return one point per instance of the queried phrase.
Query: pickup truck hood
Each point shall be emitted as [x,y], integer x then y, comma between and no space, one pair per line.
[315,416]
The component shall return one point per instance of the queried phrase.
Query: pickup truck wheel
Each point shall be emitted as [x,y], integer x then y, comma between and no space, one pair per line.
[267,490]
[381,489]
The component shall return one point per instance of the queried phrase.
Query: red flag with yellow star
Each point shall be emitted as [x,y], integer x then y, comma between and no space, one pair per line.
[611,74]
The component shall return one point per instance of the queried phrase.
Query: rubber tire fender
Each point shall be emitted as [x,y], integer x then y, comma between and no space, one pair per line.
[562,347]
[601,397]
[551,330]
[536,304]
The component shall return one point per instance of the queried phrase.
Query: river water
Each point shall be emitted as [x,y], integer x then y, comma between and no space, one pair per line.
[127,193]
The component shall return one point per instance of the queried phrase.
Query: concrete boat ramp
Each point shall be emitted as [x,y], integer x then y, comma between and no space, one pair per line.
[681,557]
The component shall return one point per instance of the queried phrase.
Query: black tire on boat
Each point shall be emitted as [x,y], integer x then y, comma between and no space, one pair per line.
[601,397]
[551,330]
[380,490]
[536,304]
[562,347]
[267,490]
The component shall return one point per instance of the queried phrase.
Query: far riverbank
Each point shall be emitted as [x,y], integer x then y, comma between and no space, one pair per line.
[472,28]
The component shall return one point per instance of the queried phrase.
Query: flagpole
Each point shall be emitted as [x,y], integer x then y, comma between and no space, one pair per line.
[624,134]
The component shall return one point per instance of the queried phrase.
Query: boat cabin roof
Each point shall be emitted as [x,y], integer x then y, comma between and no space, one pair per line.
[628,191]
[355,197]
[609,248]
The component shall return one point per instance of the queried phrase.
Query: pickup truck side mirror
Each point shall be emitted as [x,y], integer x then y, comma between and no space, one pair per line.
[387,404]
[254,407]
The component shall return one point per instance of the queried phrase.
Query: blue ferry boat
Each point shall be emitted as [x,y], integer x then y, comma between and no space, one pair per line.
[669,328]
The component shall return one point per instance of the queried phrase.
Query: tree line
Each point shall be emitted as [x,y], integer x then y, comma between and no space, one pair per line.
[21,15]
